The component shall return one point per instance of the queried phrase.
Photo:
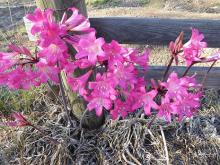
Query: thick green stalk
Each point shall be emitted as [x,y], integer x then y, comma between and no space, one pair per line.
[168,68]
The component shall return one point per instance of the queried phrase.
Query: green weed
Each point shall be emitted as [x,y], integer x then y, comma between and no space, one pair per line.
[19,100]
[100,3]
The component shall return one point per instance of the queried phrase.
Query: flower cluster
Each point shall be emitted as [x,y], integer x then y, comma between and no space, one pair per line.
[111,79]
[191,51]
[178,99]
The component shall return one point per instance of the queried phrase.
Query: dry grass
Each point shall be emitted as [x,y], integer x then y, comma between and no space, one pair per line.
[127,141]
[17,35]
[149,12]
[118,142]
[200,6]
[116,3]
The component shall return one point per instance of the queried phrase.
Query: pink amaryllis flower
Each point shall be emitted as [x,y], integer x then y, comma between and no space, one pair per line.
[20,50]
[146,100]
[70,67]
[79,83]
[193,48]
[167,109]
[176,47]
[16,57]
[118,76]
[179,99]
[19,78]
[39,19]
[178,86]
[114,54]
[90,48]
[141,60]
[18,121]
[51,34]
[102,95]
[16,68]
[47,72]
[76,22]
[103,87]
[211,58]
[121,108]
[98,104]
[83,63]
[7,60]
[54,53]
[188,105]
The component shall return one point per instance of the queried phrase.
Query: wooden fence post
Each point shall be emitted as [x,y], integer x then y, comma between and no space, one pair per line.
[89,120]
[60,6]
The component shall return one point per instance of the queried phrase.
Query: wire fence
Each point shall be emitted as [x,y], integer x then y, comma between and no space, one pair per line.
[12,28]
[13,11]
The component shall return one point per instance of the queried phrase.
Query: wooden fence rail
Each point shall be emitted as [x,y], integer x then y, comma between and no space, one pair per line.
[153,31]
[130,30]
[213,79]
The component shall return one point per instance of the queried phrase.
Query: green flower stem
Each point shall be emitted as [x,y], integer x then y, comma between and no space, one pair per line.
[206,75]
[168,68]
[188,68]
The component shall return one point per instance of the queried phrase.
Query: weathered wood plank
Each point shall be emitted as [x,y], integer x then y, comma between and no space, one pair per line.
[61,6]
[213,80]
[130,30]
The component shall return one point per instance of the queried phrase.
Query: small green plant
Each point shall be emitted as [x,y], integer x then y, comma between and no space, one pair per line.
[98,3]
[20,100]
[143,2]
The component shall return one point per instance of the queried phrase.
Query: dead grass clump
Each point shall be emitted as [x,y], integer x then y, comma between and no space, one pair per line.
[213,6]
[116,3]
[132,143]
[118,142]
[127,141]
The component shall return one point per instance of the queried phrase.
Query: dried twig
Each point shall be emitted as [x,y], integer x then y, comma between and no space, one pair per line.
[165,145]
[126,160]
[132,157]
